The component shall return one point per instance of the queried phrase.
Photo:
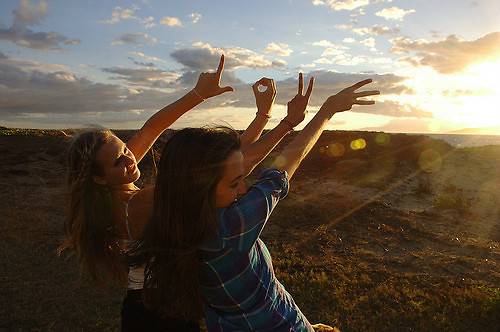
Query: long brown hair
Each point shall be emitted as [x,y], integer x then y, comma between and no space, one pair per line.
[184,214]
[90,231]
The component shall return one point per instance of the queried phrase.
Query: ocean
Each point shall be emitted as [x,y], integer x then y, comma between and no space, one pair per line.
[463,141]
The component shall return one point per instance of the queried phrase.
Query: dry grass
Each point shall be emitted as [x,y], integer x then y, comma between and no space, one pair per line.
[347,251]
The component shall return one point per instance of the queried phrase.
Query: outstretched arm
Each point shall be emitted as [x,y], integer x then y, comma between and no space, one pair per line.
[298,149]
[264,101]
[206,87]
[296,112]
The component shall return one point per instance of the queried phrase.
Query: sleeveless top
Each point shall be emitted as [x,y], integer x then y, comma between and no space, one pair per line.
[135,274]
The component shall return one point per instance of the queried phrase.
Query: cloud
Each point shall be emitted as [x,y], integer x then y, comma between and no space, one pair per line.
[394,13]
[195,17]
[450,55]
[369,42]
[148,22]
[328,83]
[144,77]
[349,40]
[171,21]
[137,38]
[19,32]
[280,49]
[376,30]
[326,43]
[146,57]
[347,4]
[120,14]
[203,56]
[342,4]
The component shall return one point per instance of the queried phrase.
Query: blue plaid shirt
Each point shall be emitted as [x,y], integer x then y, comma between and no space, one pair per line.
[237,278]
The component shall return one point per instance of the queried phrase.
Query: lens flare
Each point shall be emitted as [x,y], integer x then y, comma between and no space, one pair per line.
[430,161]
[358,144]
[382,138]
[335,150]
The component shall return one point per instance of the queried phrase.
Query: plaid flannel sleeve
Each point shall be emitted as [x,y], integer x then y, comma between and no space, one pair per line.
[242,222]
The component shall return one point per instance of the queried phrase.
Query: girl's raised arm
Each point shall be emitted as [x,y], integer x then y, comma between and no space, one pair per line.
[206,87]
[257,151]
[264,102]
[298,149]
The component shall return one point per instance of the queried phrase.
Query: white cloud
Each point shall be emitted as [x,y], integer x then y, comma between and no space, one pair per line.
[368,42]
[342,4]
[202,56]
[449,55]
[280,49]
[120,14]
[394,13]
[195,17]
[347,4]
[148,22]
[326,43]
[146,57]
[376,30]
[138,38]
[171,21]
[349,40]
[20,34]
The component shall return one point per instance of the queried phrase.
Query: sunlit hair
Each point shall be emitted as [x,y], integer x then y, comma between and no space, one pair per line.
[90,231]
[184,214]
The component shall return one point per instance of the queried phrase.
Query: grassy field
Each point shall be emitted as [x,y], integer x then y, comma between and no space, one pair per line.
[389,237]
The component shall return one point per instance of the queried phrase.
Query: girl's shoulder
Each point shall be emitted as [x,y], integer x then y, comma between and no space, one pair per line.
[139,210]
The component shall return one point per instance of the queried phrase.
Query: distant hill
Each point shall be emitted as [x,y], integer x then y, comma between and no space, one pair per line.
[477,131]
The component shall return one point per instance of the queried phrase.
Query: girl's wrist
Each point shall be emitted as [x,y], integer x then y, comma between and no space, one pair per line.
[197,95]
[288,124]
[262,114]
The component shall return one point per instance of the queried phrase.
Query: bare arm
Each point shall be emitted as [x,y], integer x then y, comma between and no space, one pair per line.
[257,151]
[206,87]
[264,101]
[297,150]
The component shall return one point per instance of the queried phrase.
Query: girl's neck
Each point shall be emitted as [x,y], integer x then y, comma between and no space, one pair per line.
[124,187]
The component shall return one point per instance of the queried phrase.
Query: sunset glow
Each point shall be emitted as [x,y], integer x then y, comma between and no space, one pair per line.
[115,65]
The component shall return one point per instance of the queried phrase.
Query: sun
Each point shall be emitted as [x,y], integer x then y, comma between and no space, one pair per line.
[478,106]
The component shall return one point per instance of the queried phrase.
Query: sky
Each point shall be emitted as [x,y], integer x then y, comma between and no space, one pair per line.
[66,64]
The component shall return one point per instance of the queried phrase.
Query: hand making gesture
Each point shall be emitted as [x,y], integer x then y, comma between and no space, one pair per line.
[296,108]
[208,83]
[344,100]
[265,99]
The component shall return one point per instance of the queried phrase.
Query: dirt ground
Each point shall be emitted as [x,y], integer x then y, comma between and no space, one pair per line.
[400,235]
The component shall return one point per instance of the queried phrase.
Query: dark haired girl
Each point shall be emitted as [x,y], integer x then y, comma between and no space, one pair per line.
[201,249]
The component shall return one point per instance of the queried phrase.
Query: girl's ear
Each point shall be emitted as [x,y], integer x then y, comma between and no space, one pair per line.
[99,180]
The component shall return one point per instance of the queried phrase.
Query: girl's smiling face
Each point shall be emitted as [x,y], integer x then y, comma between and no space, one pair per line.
[117,163]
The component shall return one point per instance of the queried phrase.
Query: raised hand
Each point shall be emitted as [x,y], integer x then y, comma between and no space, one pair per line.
[296,108]
[208,83]
[265,99]
[344,100]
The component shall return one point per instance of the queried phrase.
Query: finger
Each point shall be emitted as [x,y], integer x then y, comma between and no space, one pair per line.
[273,87]
[220,68]
[265,81]
[301,84]
[366,93]
[310,87]
[226,89]
[255,87]
[360,84]
[364,102]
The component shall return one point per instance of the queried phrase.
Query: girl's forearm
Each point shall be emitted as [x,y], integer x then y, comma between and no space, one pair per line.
[256,152]
[302,144]
[141,142]
[254,130]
